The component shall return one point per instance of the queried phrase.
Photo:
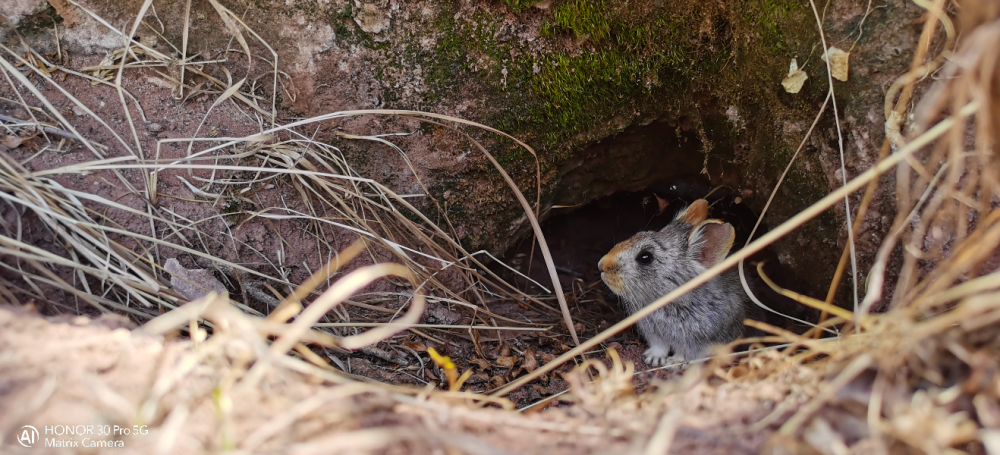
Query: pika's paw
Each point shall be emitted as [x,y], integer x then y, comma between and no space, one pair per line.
[657,356]
[660,357]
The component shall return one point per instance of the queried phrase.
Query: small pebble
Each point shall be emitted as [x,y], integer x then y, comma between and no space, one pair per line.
[154,127]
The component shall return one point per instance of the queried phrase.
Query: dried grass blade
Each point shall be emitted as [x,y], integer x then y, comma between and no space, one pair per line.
[226,17]
[805,299]
[184,46]
[290,306]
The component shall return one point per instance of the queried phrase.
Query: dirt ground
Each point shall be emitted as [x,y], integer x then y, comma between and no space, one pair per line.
[96,371]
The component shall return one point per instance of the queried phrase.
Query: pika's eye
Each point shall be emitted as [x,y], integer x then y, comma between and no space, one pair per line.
[644,257]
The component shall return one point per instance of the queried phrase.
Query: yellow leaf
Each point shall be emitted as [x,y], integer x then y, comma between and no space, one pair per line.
[796,78]
[838,63]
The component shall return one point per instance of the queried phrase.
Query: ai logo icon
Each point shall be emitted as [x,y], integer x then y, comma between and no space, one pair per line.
[29,435]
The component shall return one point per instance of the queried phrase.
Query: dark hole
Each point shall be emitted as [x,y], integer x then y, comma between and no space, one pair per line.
[578,239]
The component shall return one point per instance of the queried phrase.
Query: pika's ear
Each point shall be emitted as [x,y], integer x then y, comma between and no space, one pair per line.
[694,214]
[710,241]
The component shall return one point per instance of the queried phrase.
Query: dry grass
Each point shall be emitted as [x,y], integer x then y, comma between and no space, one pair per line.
[918,377]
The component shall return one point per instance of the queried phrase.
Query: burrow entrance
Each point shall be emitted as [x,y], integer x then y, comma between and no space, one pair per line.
[666,158]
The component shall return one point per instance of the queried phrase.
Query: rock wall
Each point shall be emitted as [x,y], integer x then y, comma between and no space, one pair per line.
[612,95]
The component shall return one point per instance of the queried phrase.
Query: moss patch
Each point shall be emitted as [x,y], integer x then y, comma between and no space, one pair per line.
[608,59]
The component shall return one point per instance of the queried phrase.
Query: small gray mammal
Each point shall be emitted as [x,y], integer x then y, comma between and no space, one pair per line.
[651,264]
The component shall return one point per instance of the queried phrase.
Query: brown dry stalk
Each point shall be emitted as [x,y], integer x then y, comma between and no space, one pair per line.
[908,82]
[291,305]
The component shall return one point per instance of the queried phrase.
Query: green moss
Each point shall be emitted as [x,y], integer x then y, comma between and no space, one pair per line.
[577,92]
[587,19]
[633,58]
[447,61]
[519,5]
[773,18]
[347,13]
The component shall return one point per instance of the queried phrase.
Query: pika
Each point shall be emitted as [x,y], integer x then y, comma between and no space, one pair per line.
[651,264]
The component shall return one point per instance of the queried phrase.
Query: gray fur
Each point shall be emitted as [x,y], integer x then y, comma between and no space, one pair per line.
[711,314]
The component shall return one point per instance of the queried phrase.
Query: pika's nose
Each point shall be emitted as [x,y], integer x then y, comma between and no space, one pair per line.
[603,264]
